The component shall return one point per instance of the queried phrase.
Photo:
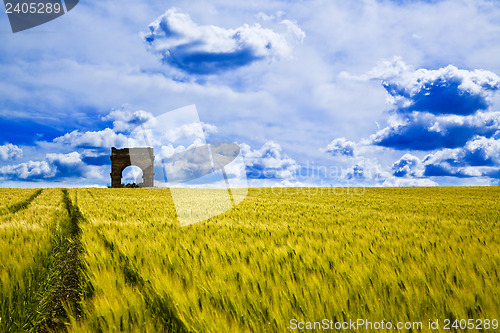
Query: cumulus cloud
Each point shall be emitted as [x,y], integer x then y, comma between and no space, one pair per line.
[92,139]
[210,49]
[268,162]
[479,157]
[31,170]
[188,165]
[366,170]
[55,166]
[447,90]
[340,147]
[443,108]
[9,152]
[434,109]
[66,165]
[126,120]
[481,152]
[408,165]
[198,130]
[444,111]
[424,131]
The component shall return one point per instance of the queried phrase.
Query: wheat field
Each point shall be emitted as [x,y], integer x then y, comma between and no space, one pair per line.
[109,260]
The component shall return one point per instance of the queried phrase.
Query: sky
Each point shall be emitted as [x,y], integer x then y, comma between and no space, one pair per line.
[315,93]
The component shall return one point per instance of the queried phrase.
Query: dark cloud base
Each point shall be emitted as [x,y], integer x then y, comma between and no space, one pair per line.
[417,134]
[440,97]
[446,112]
[204,63]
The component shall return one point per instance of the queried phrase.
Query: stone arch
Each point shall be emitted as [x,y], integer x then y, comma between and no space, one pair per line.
[139,157]
[132,174]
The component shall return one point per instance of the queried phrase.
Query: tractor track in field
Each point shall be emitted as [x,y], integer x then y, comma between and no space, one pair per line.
[57,278]
[66,282]
[14,208]
[161,305]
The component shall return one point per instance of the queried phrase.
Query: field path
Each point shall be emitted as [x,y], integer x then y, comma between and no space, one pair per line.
[20,205]
[64,292]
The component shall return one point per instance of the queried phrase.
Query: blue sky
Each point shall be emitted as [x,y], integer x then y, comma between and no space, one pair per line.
[369,93]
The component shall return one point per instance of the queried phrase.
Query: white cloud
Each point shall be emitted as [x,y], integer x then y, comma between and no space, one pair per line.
[9,152]
[433,110]
[28,170]
[194,130]
[479,157]
[103,139]
[447,90]
[126,120]
[71,159]
[445,111]
[340,147]
[207,49]
[486,149]
[269,162]
[366,170]
[55,167]
[168,150]
[408,166]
